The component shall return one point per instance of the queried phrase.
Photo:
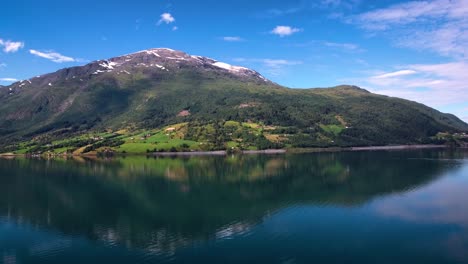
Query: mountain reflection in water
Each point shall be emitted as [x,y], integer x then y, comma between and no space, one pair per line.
[161,206]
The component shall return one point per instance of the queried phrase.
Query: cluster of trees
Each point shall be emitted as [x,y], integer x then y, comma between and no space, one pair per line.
[182,148]
[217,134]
[209,132]
[45,146]
[48,146]
[110,142]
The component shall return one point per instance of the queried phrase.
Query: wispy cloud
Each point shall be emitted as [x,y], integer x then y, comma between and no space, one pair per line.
[348,47]
[8,80]
[344,46]
[450,40]
[394,74]
[53,56]
[344,4]
[270,62]
[414,11]
[138,23]
[2,65]
[276,63]
[277,12]
[284,31]
[166,18]
[362,62]
[439,26]
[437,85]
[233,39]
[11,46]
[335,5]
[271,66]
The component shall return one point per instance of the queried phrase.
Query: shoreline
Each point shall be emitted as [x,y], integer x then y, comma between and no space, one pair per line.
[218,153]
[194,153]
[252,152]
[370,148]
[399,147]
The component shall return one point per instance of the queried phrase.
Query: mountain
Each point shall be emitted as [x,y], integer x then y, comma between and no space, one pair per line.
[209,101]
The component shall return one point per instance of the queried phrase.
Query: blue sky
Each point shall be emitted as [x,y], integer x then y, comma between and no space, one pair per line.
[417,50]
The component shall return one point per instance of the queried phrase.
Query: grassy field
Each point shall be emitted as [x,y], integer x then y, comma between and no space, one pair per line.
[333,129]
[167,139]
[187,137]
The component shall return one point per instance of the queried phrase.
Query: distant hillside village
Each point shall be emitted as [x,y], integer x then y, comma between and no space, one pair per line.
[456,139]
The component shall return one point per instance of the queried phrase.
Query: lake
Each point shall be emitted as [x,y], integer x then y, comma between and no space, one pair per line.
[349,207]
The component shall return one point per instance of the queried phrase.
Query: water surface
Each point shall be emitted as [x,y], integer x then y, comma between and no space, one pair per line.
[362,207]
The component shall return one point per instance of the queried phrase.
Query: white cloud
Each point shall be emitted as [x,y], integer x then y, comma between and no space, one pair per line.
[53,56]
[443,86]
[270,62]
[394,74]
[166,18]
[174,28]
[284,31]
[2,65]
[433,84]
[11,46]
[276,63]
[233,39]
[450,39]
[414,11]
[8,80]
[439,26]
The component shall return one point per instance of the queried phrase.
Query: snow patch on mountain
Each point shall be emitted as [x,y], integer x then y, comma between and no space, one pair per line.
[98,71]
[109,65]
[229,67]
[152,52]
[159,66]
[169,60]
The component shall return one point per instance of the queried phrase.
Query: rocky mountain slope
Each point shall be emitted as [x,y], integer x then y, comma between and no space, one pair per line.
[159,87]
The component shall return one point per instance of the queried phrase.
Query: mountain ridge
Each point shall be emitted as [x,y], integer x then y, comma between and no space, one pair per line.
[166,56]
[158,87]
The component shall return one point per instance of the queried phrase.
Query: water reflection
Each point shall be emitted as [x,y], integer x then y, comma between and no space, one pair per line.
[441,203]
[160,205]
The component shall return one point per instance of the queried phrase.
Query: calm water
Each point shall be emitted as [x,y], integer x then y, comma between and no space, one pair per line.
[366,207]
